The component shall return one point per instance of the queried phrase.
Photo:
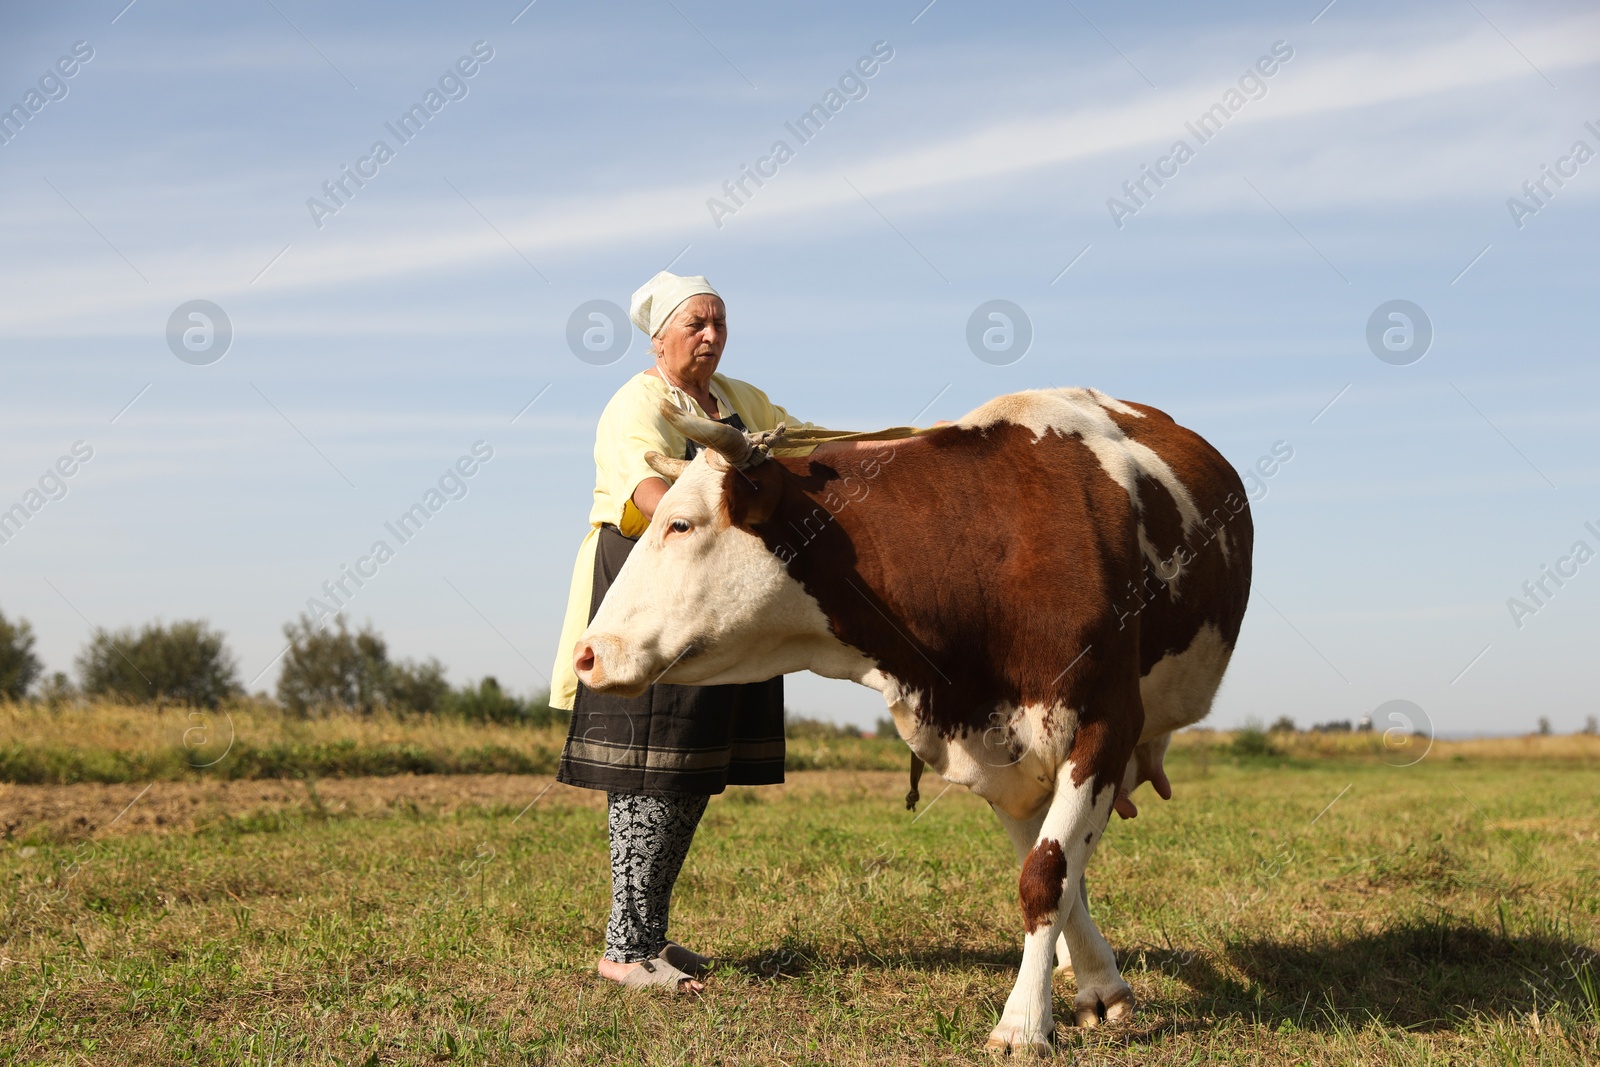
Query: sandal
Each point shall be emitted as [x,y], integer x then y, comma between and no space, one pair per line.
[656,974]
[686,960]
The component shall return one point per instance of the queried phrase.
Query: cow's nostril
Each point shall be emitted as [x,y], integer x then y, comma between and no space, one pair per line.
[585,657]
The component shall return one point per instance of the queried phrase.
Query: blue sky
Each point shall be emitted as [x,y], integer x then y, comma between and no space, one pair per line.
[372,351]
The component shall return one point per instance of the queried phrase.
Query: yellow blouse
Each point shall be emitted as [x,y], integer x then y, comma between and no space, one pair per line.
[630,426]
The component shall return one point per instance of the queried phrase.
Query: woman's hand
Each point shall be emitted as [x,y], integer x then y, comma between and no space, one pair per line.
[648,494]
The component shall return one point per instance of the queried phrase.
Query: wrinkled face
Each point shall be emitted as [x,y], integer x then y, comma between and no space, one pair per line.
[690,343]
[700,601]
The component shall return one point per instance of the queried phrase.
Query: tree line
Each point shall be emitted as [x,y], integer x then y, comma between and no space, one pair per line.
[326,669]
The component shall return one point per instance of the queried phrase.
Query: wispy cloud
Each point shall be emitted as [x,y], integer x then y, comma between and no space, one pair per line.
[934,174]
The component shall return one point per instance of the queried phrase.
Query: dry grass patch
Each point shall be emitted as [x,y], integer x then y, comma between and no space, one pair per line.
[107,742]
[1397,749]
[113,743]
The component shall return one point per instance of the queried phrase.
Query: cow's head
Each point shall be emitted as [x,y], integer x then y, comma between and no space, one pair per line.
[702,600]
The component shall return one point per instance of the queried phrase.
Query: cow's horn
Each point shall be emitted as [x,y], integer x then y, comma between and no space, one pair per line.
[721,438]
[665,466]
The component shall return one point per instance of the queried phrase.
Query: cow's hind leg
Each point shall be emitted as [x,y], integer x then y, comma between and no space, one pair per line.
[1102,991]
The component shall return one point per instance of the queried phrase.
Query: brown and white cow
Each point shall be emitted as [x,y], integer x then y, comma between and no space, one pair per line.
[1043,592]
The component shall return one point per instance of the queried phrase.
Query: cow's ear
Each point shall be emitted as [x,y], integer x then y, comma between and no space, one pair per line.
[753,495]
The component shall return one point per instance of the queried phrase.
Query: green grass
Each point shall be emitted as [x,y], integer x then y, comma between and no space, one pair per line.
[1443,913]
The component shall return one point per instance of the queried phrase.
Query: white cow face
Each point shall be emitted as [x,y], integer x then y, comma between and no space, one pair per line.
[700,601]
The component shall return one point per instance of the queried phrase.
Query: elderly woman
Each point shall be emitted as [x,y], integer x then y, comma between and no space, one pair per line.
[661,756]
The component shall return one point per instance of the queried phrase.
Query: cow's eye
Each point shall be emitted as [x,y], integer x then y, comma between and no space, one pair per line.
[679,526]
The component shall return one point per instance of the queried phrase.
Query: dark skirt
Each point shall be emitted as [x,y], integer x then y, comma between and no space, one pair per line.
[675,739]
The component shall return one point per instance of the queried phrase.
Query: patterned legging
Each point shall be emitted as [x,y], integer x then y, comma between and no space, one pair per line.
[650,837]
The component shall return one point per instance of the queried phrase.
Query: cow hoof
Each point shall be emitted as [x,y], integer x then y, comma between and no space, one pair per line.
[1113,1006]
[1018,1038]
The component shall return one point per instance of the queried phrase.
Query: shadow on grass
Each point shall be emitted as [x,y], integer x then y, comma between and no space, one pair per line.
[1423,975]
[793,959]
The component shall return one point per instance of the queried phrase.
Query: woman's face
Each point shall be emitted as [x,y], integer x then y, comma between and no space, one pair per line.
[690,344]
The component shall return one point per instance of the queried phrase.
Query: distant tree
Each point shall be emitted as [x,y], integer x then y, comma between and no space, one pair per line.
[886,728]
[18,665]
[1340,727]
[57,690]
[487,702]
[796,726]
[1252,740]
[1284,725]
[540,713]
[417,687]
[1544,726]
[1591,725]
[329,668]
[332,669]
[185,663]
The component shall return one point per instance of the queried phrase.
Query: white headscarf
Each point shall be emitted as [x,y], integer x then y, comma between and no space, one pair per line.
[654,302]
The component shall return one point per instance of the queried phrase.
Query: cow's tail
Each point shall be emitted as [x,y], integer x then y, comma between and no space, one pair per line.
[916,779]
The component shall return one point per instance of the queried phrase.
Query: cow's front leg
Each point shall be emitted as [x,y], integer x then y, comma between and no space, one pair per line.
[1024,834]
[1051,872]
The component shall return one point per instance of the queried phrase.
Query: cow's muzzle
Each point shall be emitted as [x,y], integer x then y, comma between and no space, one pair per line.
[591,658]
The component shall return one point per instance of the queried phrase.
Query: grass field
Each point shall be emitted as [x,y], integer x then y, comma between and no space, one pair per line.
[1323,910]
[108,742]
